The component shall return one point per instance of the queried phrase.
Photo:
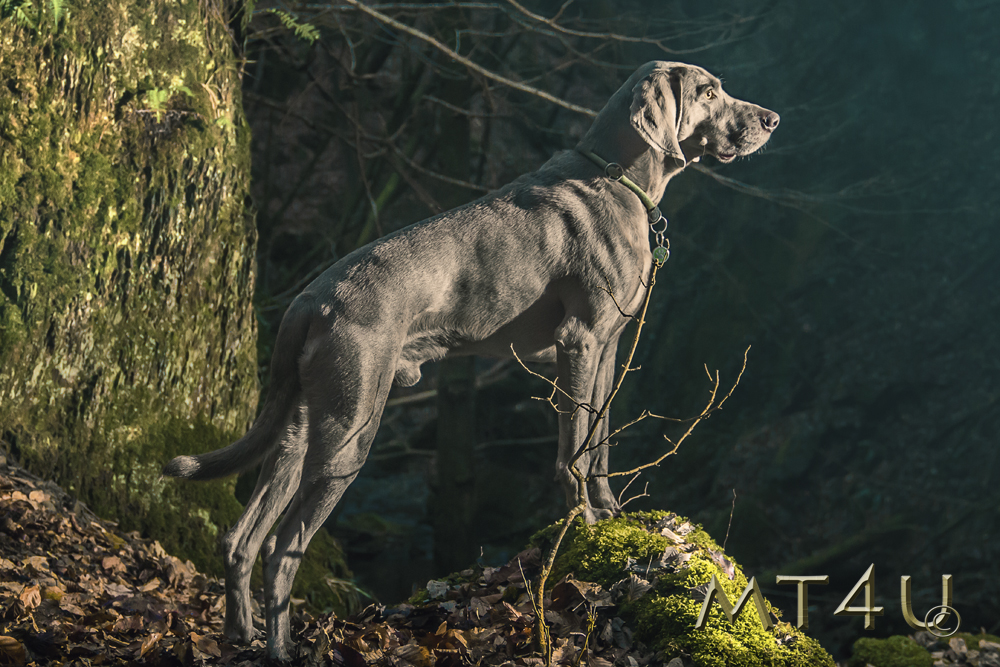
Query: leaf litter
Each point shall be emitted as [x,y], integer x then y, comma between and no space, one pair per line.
[76,590]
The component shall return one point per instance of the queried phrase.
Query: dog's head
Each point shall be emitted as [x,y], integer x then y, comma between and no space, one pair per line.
[682,111]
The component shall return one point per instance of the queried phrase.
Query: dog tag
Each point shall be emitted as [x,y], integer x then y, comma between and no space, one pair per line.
[660,255]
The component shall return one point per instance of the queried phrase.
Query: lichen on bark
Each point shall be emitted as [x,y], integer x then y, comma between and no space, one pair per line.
[127,332]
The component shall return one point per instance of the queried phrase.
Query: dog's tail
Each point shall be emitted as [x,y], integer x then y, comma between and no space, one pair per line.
[282,395]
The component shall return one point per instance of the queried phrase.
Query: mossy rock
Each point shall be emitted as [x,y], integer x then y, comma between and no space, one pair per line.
[127,245]
[896,651]
[664,618]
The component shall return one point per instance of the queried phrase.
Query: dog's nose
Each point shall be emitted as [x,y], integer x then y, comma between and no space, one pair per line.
[770,121]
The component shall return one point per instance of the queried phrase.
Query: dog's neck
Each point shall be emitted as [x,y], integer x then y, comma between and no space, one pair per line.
[647,167]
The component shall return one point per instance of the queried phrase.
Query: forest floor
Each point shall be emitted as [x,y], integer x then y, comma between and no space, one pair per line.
[76,590]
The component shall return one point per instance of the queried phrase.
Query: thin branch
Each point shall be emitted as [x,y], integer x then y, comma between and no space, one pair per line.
[387,141]
[555,388]
[551,23]
[641,495]
[731,512]
[456,109]
[433,174]
[640,322]
[479,69]
[709,408]
[612,295]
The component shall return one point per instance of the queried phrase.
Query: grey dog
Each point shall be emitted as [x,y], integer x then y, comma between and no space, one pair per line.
[530,267]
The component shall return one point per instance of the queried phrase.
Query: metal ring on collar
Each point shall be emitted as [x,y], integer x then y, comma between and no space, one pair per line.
[614,171]
[654,216]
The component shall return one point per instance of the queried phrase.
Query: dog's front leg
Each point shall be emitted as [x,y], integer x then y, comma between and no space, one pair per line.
[598,488]
[577,354]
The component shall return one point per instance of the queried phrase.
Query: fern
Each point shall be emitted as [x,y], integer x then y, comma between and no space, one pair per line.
[16,10]
[304,31]
[58,8]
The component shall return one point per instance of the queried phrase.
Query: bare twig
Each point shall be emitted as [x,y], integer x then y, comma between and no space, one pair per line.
[731,512]
[641,495]
[475,67]
[709,408]
[611,293]
[603,36]
[541,628]
[578,405]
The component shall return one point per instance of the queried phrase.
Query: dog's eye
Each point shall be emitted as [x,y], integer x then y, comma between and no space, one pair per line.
[710,94]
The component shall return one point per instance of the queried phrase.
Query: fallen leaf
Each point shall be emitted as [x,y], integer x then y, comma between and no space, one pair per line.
[415,655]
[206,644]
[12,650]
[478,608]
[31,597]
[71,608]
[148,643]
[128,624]
[112,563]
[36,563]
[437,589]
[151,585]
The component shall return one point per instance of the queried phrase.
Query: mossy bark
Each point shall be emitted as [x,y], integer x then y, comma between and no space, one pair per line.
[127,333]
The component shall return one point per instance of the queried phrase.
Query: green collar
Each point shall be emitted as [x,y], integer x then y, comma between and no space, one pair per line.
[616,172]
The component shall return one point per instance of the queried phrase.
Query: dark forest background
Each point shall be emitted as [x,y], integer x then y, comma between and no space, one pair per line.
[857,255]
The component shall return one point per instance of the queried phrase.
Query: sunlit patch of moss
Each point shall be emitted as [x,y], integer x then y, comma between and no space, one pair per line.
[600,552]
[664,618]
[896,651]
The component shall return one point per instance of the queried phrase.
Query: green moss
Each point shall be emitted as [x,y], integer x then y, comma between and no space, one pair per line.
[600,552]
[419,597]
[126,260]
[665,617]
[896,651]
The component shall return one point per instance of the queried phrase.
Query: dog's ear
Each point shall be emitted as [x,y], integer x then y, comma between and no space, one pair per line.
[656,111]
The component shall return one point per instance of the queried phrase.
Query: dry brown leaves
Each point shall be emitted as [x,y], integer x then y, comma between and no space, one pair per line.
[74,590]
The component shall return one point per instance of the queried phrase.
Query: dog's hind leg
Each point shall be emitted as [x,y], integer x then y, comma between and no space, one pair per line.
[341,429]
[278,479]
[598,488]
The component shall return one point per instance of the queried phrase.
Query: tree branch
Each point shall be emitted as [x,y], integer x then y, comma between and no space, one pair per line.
[482,71]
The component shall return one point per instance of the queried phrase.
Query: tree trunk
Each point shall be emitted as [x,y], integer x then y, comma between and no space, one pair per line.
[127,332]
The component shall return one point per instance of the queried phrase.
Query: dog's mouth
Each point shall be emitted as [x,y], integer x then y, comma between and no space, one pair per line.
[725,157]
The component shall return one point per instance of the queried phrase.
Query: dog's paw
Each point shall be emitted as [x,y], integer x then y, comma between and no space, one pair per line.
[594,514]
[243,635]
